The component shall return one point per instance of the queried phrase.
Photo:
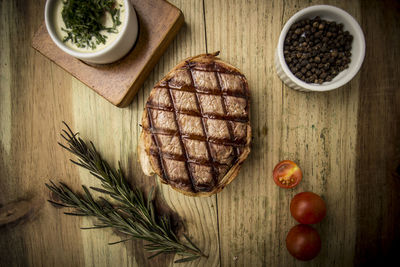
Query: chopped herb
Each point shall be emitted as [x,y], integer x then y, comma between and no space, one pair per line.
[83,21]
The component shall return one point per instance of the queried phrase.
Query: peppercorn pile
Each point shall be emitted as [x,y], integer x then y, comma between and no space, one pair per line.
[317,50]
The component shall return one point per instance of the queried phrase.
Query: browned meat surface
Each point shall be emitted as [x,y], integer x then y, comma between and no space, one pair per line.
[196,129]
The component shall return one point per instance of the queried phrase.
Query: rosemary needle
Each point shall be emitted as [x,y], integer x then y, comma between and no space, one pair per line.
[135,215]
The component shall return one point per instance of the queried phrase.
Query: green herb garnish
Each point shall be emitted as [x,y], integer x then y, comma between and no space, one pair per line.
[83,21]
[130,213]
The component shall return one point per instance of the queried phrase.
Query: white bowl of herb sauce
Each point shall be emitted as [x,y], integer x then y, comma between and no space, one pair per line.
[95,31]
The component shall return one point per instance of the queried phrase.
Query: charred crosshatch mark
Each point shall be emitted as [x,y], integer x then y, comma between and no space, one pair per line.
[171,106]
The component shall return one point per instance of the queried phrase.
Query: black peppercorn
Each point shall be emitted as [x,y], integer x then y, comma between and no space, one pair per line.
[317,50]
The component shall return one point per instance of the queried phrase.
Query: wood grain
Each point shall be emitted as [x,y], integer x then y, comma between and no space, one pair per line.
[247,207]
[119,82]
[378,138]
[315,130]
[198,214]
[34,108]
[119,137]
[346,142]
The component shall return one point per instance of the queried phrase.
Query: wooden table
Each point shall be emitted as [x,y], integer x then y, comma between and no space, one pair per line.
[347,143]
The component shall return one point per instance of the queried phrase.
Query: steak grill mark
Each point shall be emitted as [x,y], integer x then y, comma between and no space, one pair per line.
[235,144]
[214,172]
[155,139]
[200,115]
[228,123]
[188,169]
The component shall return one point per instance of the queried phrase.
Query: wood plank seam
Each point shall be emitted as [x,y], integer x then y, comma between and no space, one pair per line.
[216,196]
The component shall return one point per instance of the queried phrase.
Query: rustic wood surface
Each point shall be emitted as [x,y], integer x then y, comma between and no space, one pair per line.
[347,143]
[119,82]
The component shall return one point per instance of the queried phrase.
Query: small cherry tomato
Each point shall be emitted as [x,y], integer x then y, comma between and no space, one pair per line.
[303,242]
[287,174]
[308,208]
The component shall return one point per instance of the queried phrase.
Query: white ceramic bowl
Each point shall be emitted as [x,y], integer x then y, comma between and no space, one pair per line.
[329,13]
[117,49]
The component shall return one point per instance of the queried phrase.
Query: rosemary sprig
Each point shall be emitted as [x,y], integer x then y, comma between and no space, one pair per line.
[134,216]
[83,21]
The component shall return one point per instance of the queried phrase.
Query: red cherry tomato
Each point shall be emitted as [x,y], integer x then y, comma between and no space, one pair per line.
[303,242]
[287,174]
[308,208]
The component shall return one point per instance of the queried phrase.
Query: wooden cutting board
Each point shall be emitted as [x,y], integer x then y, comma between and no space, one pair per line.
[159,22]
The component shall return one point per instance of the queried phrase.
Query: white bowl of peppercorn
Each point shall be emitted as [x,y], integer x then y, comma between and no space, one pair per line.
[320,48]
[95,31]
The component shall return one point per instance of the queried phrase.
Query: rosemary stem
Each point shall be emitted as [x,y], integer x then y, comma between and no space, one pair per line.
[135,215]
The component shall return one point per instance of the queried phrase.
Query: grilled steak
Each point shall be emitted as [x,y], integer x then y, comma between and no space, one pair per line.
[196,129]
